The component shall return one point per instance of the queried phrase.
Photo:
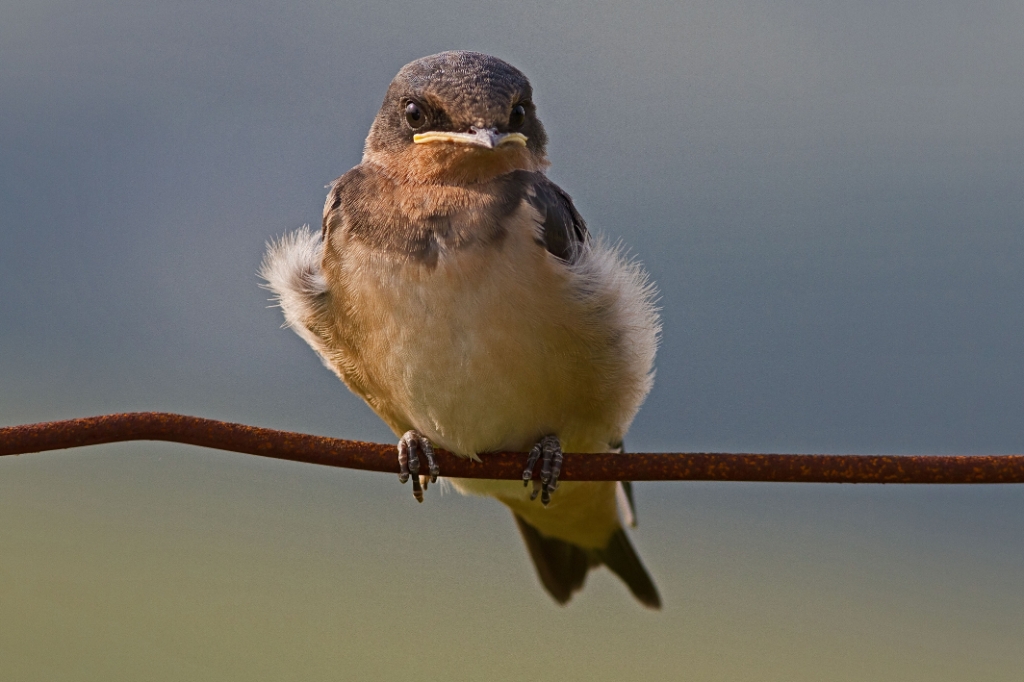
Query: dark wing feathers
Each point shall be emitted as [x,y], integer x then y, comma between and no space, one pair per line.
[333,215]
[618,448]
[562,566]
[622,559]
[564,230]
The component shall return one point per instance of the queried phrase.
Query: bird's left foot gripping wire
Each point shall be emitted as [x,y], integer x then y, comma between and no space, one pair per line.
[549,450]
[410,447]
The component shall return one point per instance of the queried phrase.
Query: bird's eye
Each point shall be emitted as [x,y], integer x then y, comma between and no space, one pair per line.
[518,117]
[414,116]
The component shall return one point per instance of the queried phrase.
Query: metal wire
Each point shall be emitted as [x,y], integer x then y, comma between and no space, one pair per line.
[299,447]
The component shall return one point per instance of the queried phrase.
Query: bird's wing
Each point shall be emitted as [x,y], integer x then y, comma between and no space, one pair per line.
[624,493]
[333,207]
[563,230]
[562,566]
[620,557]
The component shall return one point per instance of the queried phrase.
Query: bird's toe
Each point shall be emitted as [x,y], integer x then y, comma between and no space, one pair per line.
[549,451]
[411,446]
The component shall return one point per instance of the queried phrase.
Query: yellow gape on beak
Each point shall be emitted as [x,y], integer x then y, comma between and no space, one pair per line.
[488,138]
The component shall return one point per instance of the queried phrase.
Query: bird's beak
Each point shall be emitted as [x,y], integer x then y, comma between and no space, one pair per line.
[488,138]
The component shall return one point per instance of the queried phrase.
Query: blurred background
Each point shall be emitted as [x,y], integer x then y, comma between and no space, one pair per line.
[830,198]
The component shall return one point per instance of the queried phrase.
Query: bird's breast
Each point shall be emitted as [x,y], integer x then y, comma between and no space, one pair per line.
[489,348]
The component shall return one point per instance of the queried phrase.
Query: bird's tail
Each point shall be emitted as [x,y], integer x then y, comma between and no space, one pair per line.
[562,566]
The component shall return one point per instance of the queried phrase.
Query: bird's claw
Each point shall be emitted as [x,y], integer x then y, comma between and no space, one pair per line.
[410,446]
[549,451]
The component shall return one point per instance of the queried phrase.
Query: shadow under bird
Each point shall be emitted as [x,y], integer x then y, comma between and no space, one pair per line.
[457,291]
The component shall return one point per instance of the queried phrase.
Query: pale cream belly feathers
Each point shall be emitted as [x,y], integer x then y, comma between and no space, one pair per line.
[485,351]
[489,349]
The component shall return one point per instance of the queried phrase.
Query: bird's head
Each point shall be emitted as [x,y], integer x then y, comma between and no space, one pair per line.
[457,117]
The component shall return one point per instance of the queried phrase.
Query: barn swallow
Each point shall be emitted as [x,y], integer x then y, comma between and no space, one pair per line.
[456,290]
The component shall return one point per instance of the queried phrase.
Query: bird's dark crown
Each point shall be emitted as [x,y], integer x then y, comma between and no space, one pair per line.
[457,92]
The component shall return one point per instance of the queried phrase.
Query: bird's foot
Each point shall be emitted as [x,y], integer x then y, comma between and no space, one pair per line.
[549,451]
[410,447]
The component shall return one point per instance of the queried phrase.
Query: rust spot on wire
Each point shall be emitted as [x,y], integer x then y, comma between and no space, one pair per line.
[300,447]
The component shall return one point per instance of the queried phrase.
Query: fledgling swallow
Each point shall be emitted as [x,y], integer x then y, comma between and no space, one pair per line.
[456,290]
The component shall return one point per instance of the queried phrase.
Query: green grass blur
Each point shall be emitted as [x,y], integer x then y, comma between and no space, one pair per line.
[159,562]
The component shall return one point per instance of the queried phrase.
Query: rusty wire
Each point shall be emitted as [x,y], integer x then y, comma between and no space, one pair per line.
[300,447]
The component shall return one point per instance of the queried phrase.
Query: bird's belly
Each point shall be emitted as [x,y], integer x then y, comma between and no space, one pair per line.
[481,356]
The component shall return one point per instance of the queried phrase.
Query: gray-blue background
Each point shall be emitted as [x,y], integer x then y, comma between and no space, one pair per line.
[830,198]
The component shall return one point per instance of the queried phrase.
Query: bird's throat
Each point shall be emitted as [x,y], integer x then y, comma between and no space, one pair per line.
[455,164]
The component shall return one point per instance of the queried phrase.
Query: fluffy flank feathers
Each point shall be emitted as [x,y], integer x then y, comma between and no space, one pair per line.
[291,268]
[615,282]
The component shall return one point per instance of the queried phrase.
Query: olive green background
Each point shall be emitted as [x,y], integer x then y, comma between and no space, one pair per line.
[830,198]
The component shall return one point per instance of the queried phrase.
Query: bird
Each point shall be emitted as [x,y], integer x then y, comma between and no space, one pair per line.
[458,292]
